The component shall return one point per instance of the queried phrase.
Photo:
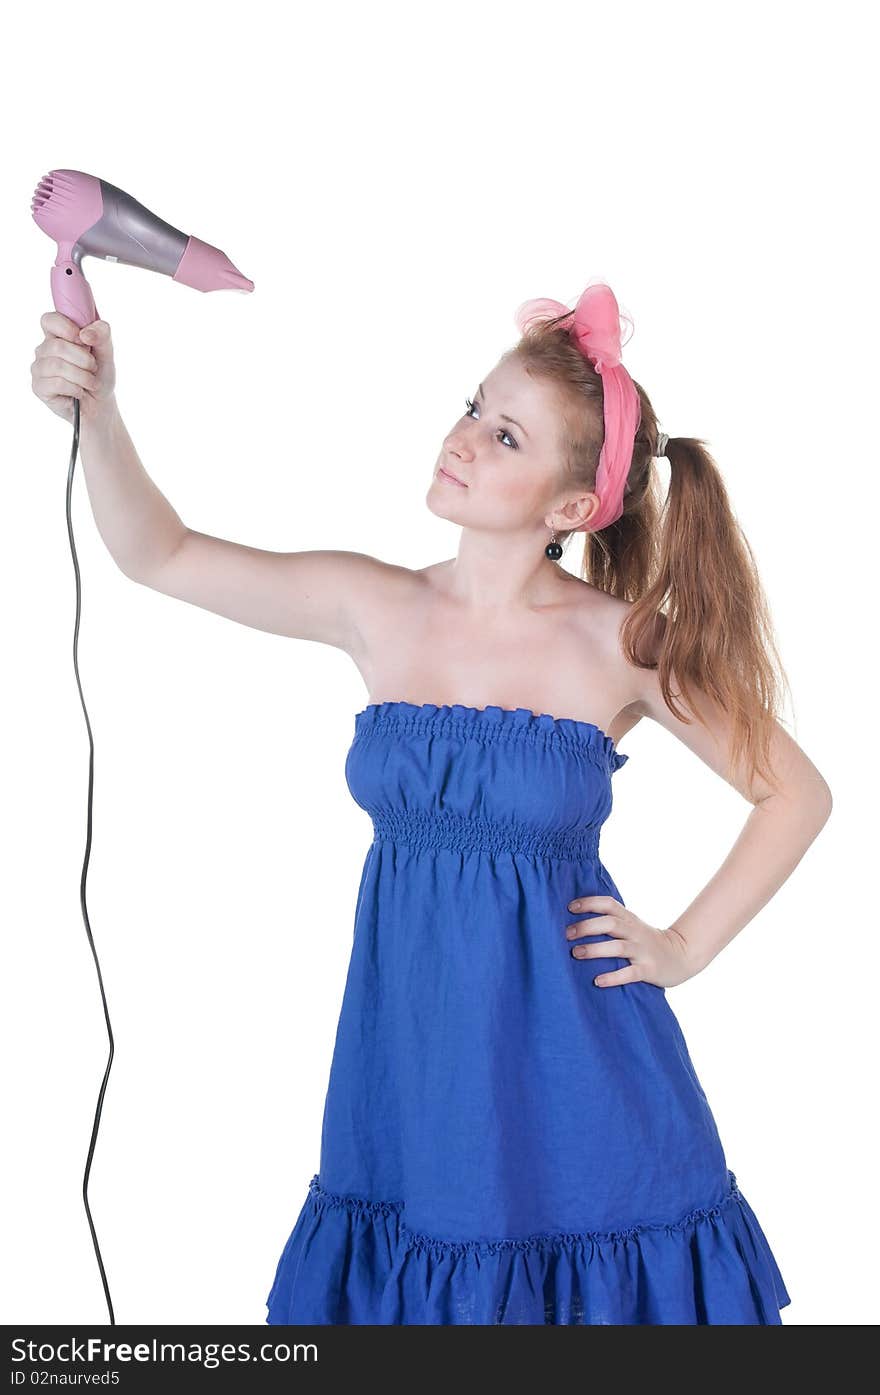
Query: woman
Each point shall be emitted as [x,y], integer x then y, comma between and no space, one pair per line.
[513,1131]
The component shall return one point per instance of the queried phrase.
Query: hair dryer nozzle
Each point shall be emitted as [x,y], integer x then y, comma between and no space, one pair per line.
[206,268]
[66,203]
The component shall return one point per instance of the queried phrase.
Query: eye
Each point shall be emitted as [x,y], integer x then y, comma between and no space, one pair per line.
[470,407]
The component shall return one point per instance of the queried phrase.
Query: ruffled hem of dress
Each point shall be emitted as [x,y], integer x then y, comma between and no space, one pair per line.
[494,723]
[350,1260]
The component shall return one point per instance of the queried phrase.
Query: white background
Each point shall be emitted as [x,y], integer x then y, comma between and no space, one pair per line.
[396,180]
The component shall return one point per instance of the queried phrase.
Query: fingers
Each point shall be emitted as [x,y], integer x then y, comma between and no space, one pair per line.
[597,925]
[602,949]
[59,343]
[639,947]
[631,974]
[605,949]
[73,363]
[595,903]
[58,325]
[68,380]
[58,358]
[97,335]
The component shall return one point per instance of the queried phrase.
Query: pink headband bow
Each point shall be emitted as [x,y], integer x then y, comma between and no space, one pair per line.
[596,331]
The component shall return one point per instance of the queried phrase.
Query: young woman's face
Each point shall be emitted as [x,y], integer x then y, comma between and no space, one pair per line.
[505,451]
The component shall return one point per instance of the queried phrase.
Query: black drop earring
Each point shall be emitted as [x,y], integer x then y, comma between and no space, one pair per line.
[553,550]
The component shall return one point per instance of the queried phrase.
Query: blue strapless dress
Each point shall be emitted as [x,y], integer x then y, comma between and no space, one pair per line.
[502,1141]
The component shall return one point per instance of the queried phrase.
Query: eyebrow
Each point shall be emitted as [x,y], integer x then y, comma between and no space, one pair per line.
[481,393]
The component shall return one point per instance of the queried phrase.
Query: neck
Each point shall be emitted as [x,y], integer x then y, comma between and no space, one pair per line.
[494,572]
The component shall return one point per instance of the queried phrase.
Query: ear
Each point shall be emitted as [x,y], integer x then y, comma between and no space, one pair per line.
[576,514]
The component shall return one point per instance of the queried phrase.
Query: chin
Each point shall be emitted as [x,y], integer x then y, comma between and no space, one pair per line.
[432,505]
[440,506]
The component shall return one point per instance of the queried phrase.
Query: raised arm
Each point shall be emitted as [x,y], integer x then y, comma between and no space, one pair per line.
[318,595]
[305,595]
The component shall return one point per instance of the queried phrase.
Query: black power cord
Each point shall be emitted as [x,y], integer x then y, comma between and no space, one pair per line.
[82,888]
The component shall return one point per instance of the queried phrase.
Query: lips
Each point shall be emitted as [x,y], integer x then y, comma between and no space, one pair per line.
[453,479]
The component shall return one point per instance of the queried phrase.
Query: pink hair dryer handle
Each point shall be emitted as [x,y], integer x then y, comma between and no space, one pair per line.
[72,293]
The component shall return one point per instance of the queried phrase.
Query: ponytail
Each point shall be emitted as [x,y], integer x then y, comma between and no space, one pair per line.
[699,614]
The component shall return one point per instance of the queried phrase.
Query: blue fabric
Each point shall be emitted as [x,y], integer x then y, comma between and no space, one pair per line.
[502,1141]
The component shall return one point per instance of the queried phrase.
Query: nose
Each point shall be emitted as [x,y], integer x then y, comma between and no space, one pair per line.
[456,444]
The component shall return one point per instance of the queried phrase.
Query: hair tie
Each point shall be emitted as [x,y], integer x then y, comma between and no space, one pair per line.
[662,443]
[596,329]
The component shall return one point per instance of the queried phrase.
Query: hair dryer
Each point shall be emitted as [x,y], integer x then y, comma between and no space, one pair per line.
[88,217]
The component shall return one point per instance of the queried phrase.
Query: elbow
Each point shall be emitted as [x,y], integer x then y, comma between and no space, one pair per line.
[131,574]
[810,802]
[825,799]
[815,794]
[822,801]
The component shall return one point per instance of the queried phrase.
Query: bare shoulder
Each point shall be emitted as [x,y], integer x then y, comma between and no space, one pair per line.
[612,613]
[386,592]
[598,618]
[391,586]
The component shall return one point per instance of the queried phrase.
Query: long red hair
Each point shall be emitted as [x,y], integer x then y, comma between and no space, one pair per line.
[699,614]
